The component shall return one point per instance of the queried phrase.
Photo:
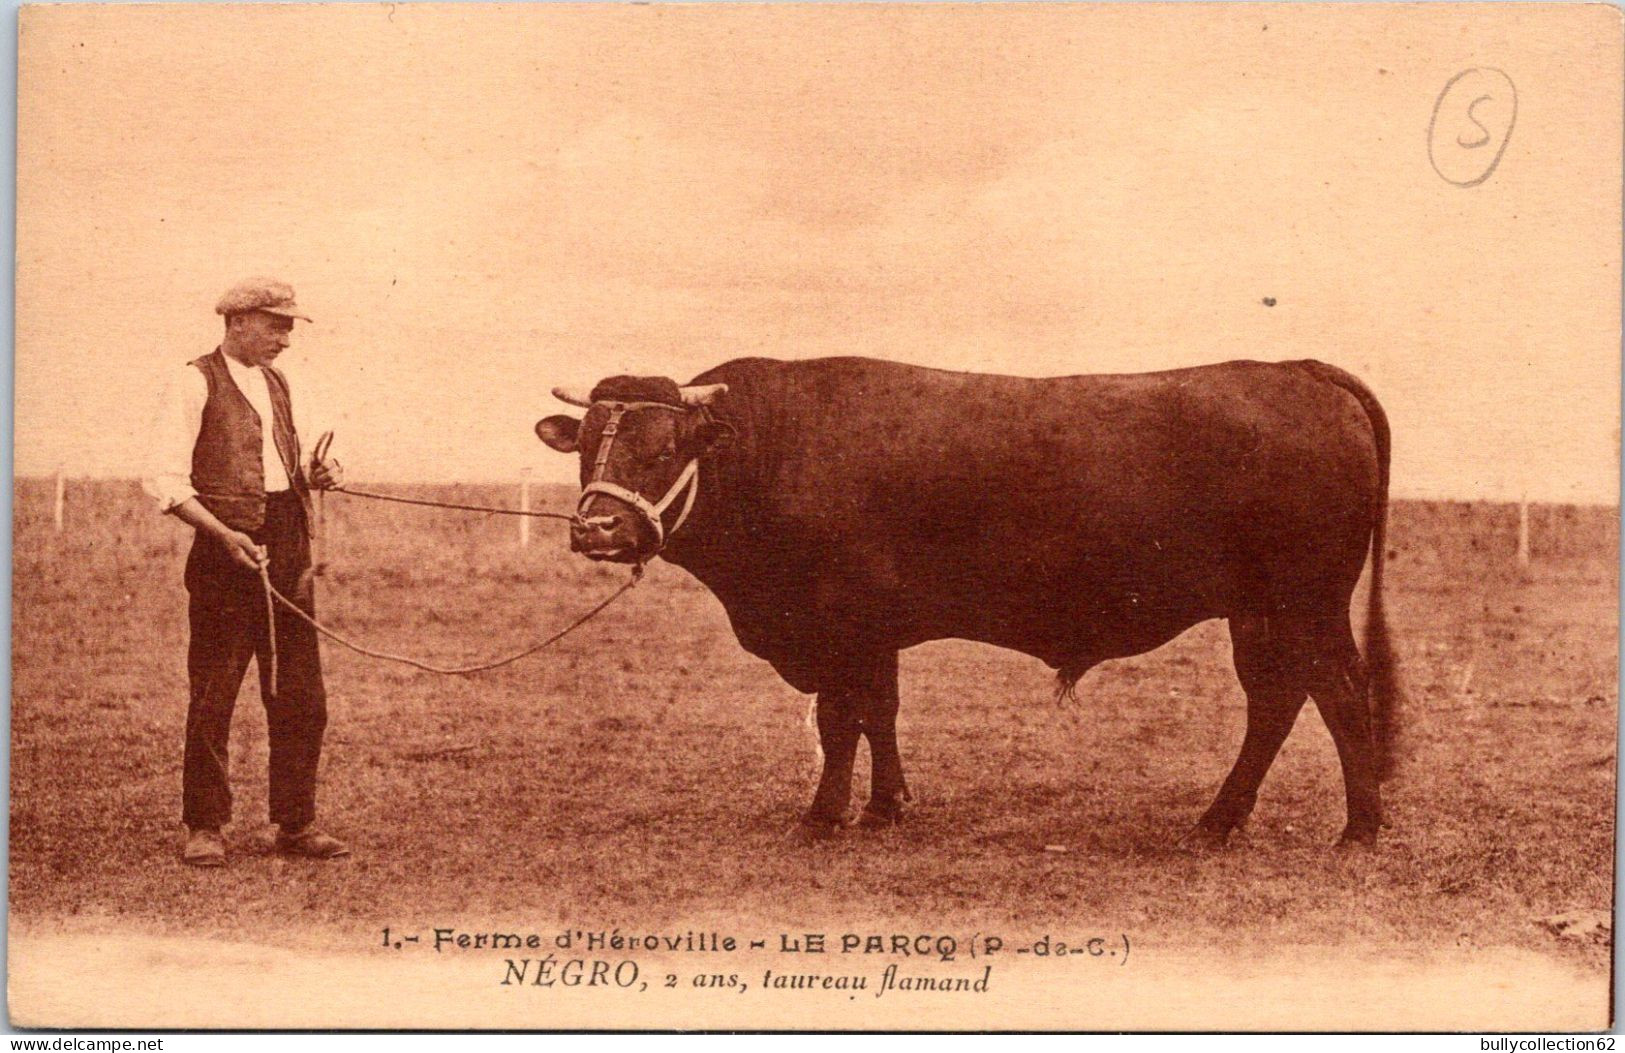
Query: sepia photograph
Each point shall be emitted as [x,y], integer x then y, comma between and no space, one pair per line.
[816,517]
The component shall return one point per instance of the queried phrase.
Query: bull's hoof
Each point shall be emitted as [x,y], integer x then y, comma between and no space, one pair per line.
[1201,838]
[1357,839]
[820,827]
[881,817]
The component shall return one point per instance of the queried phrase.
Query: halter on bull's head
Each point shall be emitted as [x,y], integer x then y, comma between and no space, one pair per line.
[640,442]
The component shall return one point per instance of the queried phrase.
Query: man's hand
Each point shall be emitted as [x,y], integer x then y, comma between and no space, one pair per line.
[238,545]
[327,475]
[243,550]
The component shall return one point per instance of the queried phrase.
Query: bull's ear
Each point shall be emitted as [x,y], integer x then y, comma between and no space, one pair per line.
[560,432]
[713,433]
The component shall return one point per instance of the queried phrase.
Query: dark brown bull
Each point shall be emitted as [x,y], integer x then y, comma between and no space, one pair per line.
[843,509]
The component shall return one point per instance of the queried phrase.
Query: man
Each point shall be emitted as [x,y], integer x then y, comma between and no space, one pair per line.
[227,462]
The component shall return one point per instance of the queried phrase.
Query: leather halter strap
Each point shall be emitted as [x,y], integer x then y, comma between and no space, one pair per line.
[687,482]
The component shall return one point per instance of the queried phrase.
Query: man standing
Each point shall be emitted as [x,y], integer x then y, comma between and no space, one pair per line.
[227,462]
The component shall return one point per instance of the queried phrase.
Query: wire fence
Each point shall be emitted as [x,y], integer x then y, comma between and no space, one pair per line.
[1519,535]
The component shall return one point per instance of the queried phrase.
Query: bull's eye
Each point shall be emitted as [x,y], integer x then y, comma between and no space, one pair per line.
[665,455]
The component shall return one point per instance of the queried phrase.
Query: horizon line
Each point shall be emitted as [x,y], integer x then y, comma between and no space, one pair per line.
[514,480]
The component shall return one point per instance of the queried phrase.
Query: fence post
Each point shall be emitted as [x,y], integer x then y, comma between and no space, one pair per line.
[61,490]
[1523,533]
[524,506]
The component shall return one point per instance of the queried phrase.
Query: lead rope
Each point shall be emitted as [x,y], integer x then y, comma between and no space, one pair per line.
[270,619]
[325,443]
[445,504]
[272,595]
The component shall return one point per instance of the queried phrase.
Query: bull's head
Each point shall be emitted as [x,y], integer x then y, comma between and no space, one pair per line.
[640,444]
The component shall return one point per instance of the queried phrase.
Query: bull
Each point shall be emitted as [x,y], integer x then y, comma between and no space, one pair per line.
[842,509]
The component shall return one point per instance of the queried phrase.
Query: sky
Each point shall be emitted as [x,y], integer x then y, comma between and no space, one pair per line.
[477,203]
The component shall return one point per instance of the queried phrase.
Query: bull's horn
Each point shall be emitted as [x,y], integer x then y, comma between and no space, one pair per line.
[573,396]
[702,394]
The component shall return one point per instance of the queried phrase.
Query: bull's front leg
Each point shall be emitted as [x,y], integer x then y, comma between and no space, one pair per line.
[859,699]
[887,790]
[839,725]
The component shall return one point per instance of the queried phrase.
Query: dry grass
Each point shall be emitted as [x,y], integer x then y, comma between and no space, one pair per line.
[647,771]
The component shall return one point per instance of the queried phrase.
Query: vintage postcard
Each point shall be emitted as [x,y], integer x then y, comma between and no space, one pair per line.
[972,517]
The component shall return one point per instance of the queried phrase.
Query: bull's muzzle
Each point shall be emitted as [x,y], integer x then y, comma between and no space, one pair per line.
[611,538]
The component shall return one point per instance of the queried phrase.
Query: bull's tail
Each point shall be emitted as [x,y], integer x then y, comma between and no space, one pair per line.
[1381,668]
[1386,696]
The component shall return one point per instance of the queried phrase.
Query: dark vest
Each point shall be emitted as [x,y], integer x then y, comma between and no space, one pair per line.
[227,471]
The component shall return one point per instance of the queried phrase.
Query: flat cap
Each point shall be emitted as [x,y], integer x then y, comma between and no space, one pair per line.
[260,294]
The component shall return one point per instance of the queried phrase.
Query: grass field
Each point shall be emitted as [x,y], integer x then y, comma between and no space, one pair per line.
[647,771]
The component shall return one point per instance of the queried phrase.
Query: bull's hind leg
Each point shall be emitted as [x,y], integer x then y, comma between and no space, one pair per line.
[1275,694]
[887,790]
[1338,685]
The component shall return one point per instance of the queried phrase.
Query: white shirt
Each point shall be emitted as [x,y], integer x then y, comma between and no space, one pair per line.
[180,416]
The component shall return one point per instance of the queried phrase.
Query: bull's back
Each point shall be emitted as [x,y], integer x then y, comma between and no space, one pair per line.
[909,443]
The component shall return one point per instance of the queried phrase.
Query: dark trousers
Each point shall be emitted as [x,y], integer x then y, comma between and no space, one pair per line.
[228,622]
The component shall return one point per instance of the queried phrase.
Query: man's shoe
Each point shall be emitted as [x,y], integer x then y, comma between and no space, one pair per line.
[310,843]
[204,848]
